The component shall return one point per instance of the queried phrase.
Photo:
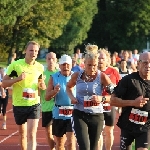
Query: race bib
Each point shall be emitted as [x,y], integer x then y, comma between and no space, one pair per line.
[138,117]
[106,107]
[65,111]
[28,94]
[92,106]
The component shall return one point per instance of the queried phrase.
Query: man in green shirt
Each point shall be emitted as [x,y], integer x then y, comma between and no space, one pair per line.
[47,106]
[26,78]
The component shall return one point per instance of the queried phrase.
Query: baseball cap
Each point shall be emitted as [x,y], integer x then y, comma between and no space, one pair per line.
[65,59]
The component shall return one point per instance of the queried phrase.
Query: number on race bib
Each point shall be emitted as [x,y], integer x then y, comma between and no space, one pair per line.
[138,117]
[28,94]
[65,111]
[90,103]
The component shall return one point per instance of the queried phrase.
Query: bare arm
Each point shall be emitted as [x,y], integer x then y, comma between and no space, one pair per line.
[8,81]
[51,91]
[138,102]
[105,80]
[69,87]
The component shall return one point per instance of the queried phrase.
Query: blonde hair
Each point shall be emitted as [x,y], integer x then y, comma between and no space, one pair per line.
[107,53]
[91,51]
[33,43]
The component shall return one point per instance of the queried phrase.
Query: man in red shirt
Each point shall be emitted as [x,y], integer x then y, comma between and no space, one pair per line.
[109,111]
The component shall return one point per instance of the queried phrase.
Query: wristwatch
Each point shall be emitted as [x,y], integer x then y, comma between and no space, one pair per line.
[103,99]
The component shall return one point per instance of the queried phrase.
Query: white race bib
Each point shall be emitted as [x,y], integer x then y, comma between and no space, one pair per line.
[65,111]
[28,94]
[89,105]
[138,117]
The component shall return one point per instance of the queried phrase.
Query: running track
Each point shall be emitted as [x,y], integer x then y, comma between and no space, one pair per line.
[9,138]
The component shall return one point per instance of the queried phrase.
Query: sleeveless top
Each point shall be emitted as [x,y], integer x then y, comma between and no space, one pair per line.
[88,89]
[61,98]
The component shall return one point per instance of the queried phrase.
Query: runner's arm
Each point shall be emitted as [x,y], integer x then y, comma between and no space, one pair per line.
[106,82]
[138,102]
[70,86]
[51,91]
[8,81]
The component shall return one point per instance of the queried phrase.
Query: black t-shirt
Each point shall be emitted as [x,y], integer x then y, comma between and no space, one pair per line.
[129,88]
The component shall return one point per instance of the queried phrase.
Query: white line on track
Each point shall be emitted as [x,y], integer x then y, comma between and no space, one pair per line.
[9,110]
[8,136]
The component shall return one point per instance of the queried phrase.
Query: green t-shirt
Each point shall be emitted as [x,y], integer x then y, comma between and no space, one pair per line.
[25,92]
[47,105]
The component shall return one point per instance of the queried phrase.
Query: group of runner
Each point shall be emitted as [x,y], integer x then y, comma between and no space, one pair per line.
[79,99]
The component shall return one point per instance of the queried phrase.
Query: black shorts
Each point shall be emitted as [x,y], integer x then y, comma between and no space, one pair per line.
[109,117]
[46,118]
[141,139]
[22,113]
[3,105]
[60,127]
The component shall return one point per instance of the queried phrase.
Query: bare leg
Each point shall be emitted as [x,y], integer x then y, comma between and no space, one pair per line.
[100,142]
[71,142]
[109,137]
[4,122]
[49,137]
[23,136]
[32,125]
[60,142]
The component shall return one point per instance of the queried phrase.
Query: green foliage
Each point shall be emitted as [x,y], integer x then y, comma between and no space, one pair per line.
[75,31]
[58,24]
[61,25]
[11,9]
[122,24]
[42,22]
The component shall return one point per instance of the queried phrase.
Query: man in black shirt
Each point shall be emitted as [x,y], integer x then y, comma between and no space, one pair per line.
[132,94]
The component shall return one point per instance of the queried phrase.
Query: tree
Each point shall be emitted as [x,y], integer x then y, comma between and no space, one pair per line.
[121,24]
[42,22]
[75,31]
[11,12]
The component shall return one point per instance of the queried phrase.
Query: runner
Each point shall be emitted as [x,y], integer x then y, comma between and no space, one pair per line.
[3,99]
[25,75]
[88,111]
[47,106]
[109,112]
[132,94]
[62,110]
